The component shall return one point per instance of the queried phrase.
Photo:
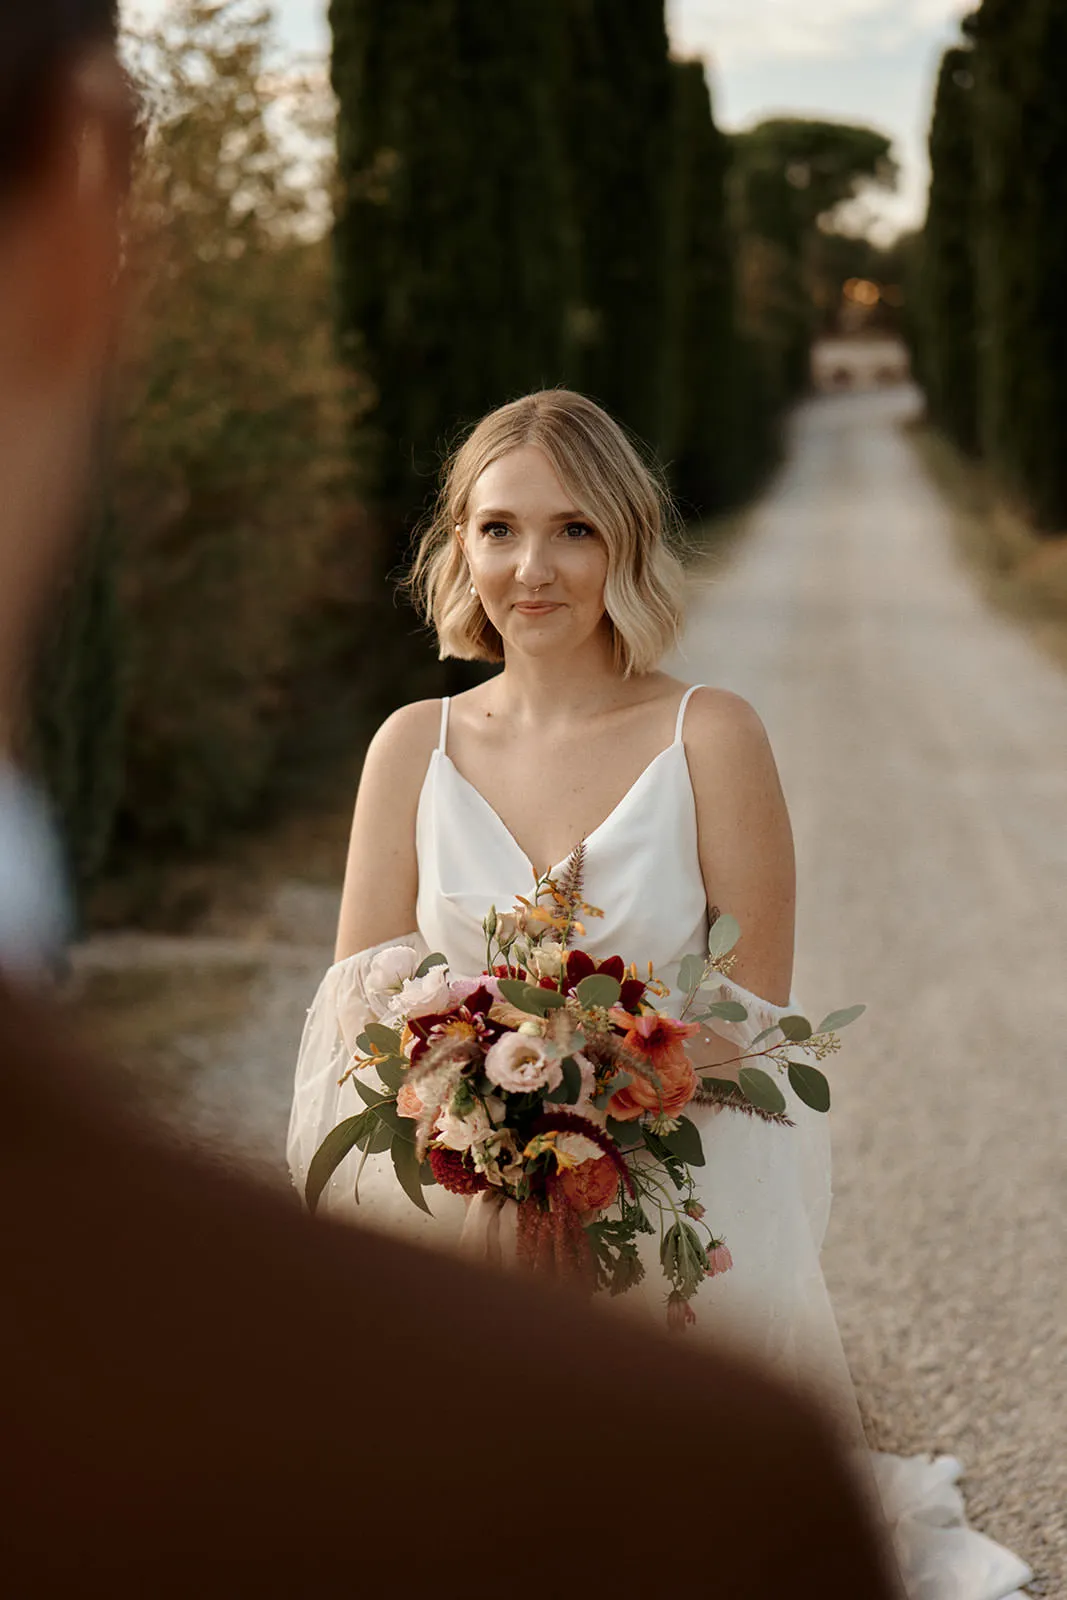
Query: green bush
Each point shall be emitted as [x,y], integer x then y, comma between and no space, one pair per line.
[79,701]
[232,477]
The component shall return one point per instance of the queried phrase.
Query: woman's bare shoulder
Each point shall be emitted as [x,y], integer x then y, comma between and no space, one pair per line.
[718,716]
[405,740]
[730,759]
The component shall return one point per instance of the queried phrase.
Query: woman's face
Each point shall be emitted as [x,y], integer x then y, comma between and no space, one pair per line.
[538,564]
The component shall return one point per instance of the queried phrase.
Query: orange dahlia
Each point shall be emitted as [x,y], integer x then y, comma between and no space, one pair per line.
[591,1186]
[660,1041]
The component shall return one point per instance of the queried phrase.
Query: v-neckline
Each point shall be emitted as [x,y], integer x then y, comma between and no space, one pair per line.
[506,831]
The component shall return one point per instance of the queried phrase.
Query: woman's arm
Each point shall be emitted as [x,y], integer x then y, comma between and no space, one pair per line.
[745,845]
[382,878]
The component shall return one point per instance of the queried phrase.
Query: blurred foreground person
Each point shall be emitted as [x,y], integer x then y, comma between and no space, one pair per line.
[202,1392]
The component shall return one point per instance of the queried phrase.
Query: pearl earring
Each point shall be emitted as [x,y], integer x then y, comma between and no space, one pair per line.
[474,591]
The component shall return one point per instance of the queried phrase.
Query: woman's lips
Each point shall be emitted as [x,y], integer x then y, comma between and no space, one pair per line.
[535,608]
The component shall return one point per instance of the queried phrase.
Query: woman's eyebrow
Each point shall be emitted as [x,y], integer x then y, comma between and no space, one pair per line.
[555,516]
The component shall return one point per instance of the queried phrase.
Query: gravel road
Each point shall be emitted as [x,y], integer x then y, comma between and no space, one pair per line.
[923,747]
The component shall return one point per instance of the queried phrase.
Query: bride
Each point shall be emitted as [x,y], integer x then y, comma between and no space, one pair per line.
[550,551]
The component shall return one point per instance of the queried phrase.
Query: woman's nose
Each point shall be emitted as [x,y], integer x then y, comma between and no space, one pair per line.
[535,569]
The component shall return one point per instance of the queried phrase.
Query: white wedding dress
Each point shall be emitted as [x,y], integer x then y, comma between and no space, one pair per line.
[766,1188]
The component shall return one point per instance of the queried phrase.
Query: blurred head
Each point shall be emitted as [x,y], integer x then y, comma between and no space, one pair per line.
[64,148]
[547,501]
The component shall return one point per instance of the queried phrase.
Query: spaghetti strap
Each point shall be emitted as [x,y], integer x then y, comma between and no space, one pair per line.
[681,711]
[444,724]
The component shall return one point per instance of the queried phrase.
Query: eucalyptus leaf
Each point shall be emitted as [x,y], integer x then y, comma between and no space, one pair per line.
[599,989]
[627,1135]
[550,999]
[724,1085]
[840,1019]
[796,1029]
[567,1091]
[378,1137]
[385,1040]
[369,1096]
[724,934]
[765,1034]
[760,1089]
[435,959]
[523,996]
[407,1164]
[809,1085]
[392,1072]
[685,1143]
[572,1079]
[331,1152]
[403,1127]
[690,973]
[426,1177]
[727,1010]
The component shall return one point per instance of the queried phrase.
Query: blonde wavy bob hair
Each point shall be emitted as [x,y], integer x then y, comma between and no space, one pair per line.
[623,499]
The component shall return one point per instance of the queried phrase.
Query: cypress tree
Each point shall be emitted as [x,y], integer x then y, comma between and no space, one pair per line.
[1044,185]
[617,112]
[1004,273]
[455,244]
[947,330]
[712,455]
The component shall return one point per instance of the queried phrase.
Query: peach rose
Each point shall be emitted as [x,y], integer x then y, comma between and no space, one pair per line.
[408,1103]
[660,1041]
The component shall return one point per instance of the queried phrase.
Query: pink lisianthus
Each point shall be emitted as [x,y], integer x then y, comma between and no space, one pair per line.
[462,988]
[660,1040]
[522,1062]
[421,997]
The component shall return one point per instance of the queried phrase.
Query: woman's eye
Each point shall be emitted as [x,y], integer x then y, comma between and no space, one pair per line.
[491,529]
[580,530]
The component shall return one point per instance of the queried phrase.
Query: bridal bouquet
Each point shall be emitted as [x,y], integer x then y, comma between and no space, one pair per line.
[552,1082]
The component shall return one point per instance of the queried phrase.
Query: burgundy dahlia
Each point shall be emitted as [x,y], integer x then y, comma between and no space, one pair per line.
[453,1173]
[581,965]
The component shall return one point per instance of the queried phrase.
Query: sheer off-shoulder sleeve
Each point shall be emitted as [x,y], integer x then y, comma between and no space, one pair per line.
[338,1015]
[813,1142]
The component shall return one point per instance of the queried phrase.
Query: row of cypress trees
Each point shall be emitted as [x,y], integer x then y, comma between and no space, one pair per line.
[532,195]
[992,317]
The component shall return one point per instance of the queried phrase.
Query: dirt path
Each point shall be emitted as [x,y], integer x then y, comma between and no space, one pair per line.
[923,746]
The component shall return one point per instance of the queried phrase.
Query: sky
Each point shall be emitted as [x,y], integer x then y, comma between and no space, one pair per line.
[870,61]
